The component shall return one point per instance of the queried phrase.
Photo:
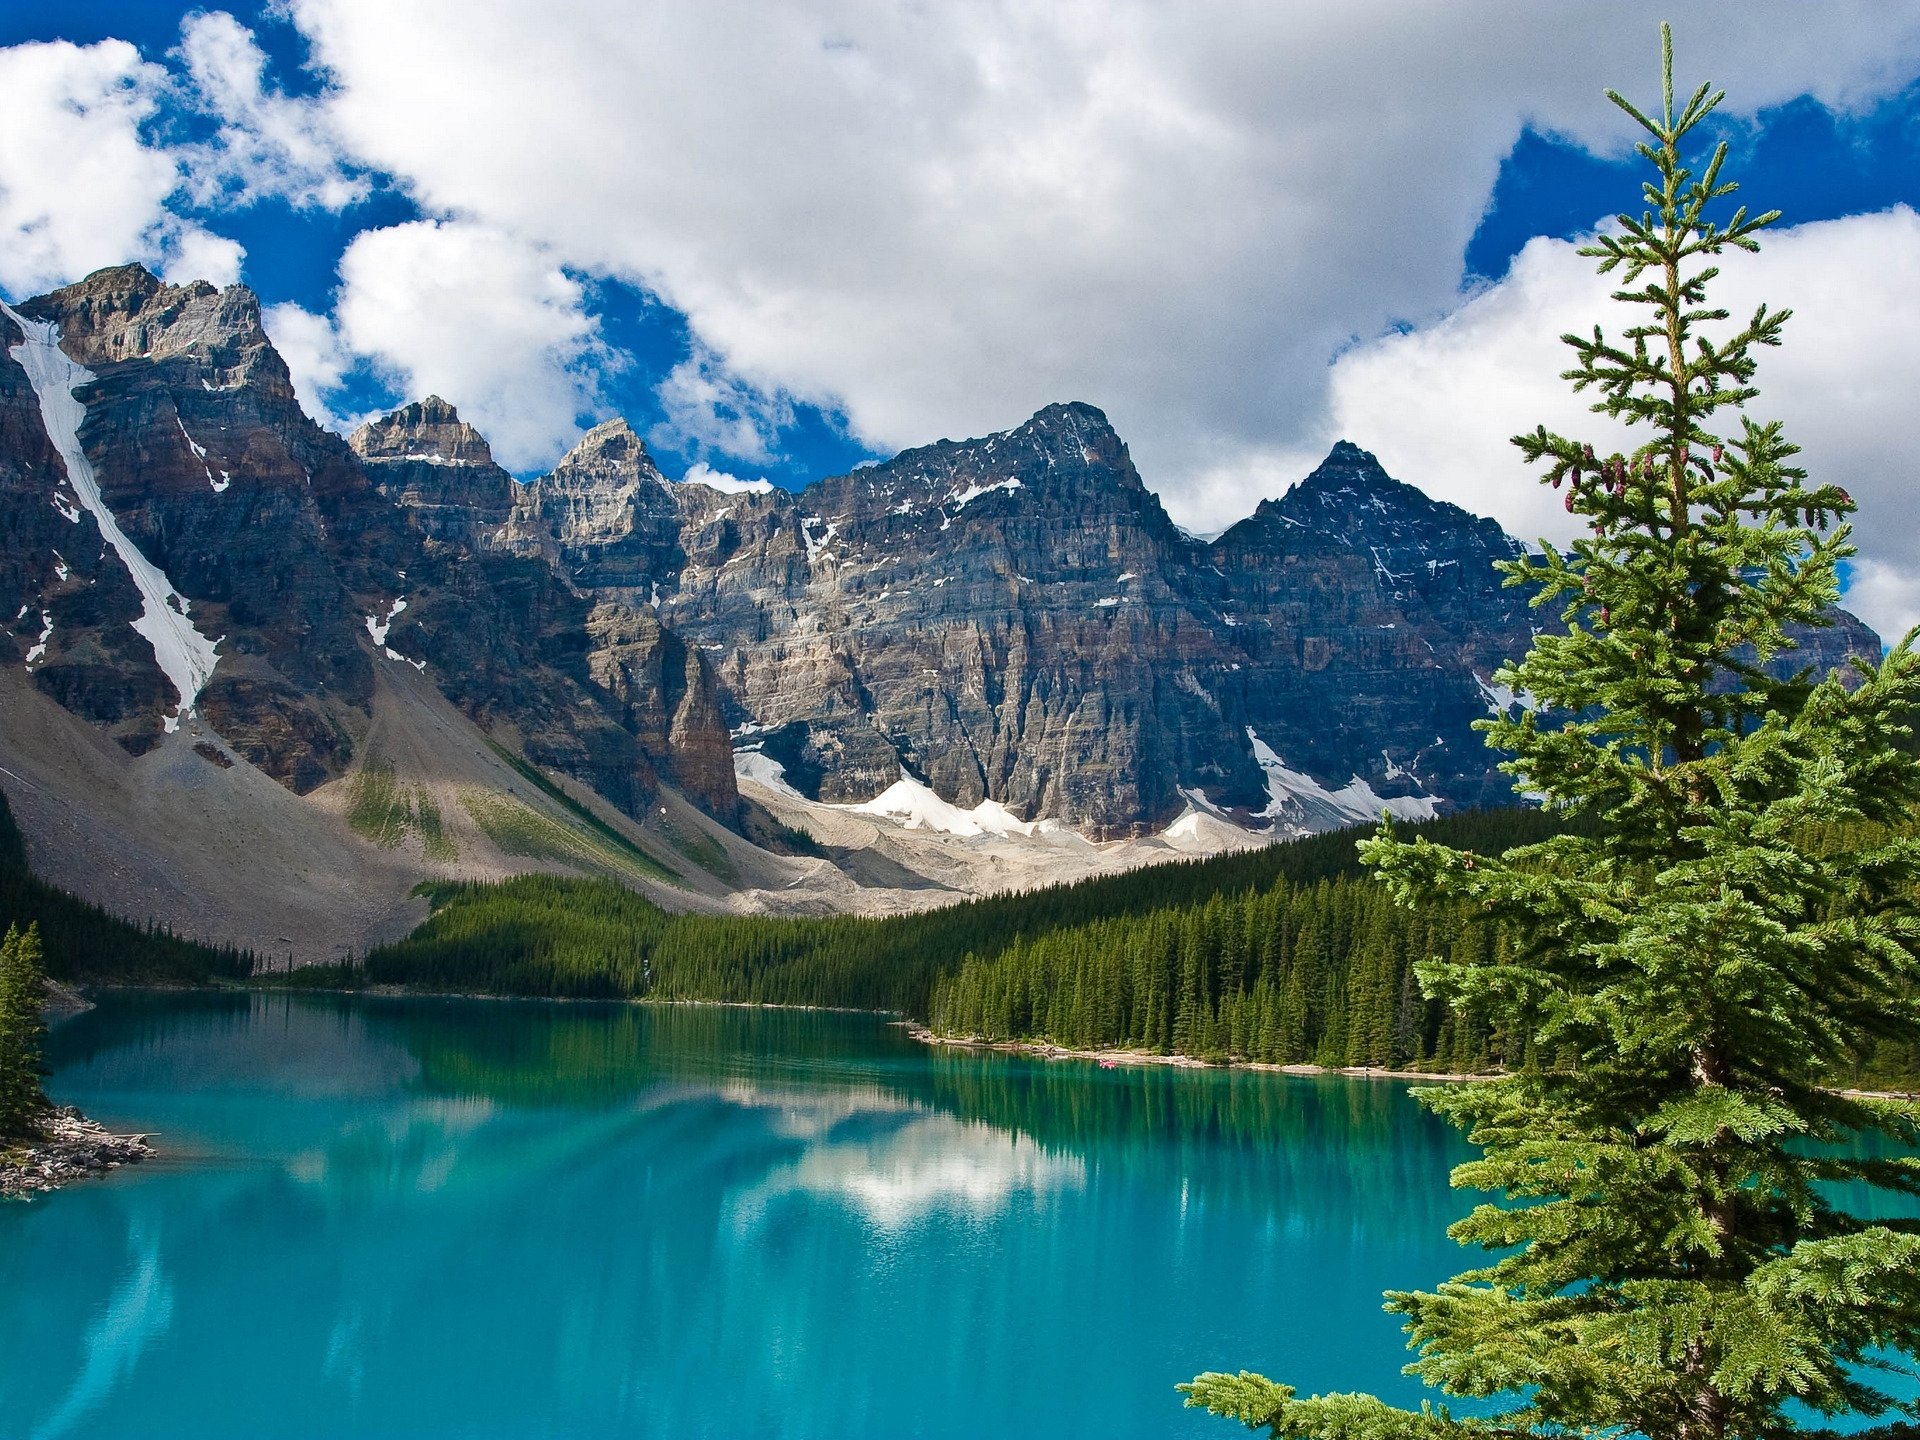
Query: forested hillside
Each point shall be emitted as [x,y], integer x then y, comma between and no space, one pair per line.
[84,943]
[1189,937]
[1287,955]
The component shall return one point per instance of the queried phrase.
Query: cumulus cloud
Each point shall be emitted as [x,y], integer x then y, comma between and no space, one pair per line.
[941,217]
[702,473]
[79,185]
[709,410]
[1437,405]
[268,143]
[490,322]
[317,358]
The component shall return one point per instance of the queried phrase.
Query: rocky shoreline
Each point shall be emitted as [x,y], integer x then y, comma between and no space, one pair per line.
[70,1147]
[1046,1051]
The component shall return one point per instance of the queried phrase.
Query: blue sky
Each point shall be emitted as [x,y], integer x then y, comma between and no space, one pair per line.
[786,239]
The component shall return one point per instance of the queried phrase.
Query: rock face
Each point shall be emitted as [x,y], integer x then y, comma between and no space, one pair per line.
[301,561]
[426,459]
[1015,618]
[605,517]
[1012,618]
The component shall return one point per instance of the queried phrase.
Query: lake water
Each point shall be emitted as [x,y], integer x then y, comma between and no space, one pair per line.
[384,1217]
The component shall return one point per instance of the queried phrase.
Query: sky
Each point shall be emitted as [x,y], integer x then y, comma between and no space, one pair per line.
[785,238]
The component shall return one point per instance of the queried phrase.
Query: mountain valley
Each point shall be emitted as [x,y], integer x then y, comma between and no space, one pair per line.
[257,680]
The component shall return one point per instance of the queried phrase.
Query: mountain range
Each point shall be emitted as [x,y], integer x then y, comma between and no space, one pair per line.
[259,680]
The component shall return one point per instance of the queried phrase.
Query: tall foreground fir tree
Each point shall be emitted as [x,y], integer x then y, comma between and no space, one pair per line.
[1677,1261]
[22,1102]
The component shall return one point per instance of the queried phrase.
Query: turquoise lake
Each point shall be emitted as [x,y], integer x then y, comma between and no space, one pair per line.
[388,1217]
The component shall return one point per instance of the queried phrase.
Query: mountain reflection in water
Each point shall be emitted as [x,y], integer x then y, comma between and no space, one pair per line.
[438,1217]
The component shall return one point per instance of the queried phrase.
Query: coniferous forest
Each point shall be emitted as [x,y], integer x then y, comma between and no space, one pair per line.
[85,943]
[1285,955]
[1288,955]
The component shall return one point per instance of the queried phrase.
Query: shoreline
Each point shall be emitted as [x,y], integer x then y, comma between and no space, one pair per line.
[69,1147]
[1046,1050]
[1038,1049]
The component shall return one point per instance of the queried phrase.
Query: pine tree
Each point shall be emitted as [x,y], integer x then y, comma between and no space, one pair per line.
[1694,970]
[22,1102]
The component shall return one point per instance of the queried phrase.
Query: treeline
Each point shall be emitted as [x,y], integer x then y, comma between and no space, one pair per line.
[543,935]
[1320,974]
[83,943]
[1283,973]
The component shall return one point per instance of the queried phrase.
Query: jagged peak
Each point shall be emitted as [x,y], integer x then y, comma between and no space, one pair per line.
[1067,412]
[428,429]
[615,446]
[1350,494]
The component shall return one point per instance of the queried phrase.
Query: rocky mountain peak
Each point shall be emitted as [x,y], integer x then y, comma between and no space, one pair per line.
[605,515]
[1350,495]
[428,430]
[126,313]
[611,454]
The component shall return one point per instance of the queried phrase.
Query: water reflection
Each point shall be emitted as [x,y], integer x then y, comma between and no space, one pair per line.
[471,1218]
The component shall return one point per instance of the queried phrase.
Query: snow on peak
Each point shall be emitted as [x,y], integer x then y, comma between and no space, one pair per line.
[185,656]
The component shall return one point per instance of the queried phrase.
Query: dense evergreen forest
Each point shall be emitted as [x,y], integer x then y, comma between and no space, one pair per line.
[1286,953]
[1289,955]
[84,943]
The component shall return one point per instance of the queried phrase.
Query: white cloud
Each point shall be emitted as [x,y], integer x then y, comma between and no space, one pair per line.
[196,254]
[710,410]
[944,216]
[316,356]
[702,473]
[488,321]
[1438,404]
[79,187]
[269,143]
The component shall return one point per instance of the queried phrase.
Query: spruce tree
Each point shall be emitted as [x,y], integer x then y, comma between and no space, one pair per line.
[22,1102]
[1694,969]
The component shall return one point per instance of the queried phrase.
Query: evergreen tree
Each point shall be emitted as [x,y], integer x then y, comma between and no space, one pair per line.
[22,1102]
[1691,974]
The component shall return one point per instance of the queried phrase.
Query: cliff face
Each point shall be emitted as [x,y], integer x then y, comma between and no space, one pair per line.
[281,561]
[1012,618]
[1015,618]
[427,460]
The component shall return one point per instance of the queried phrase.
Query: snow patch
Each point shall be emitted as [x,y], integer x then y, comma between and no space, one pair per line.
[46,634]
[200,454]
[816,545]
[960,499]
[1297,801]
[184,655]
[1107,602]
[393,654]
[431,458]
[1502,698]
[756,765]
[60,567]
[916,807]
[378,628]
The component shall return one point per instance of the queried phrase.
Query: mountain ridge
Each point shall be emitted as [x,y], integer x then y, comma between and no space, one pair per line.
[1011,621]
